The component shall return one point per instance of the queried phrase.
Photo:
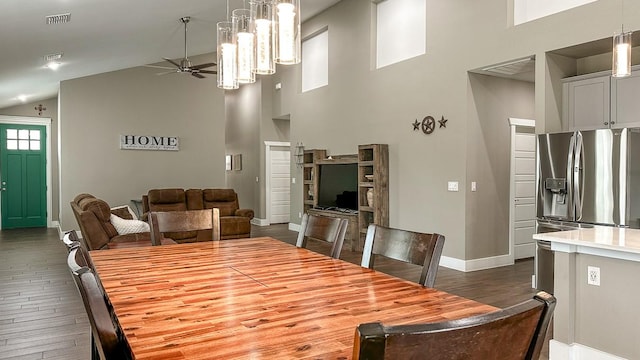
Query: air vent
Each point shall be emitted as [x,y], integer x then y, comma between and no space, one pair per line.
[58,19]
[513,67]
[52,57]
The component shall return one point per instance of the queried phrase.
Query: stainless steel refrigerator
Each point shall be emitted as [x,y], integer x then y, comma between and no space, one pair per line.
[585,178]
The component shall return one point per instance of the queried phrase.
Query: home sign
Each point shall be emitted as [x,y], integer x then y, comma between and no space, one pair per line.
[148,142]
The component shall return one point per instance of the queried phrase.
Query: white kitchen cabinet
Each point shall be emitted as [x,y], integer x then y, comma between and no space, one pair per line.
[625,101]
[586,102]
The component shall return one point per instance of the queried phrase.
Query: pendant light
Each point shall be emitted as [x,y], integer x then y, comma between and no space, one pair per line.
[287,41]
[262,23]
[227,57]
[621,51]
[245,39]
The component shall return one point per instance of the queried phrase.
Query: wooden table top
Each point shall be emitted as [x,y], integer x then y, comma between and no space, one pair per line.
[257,299]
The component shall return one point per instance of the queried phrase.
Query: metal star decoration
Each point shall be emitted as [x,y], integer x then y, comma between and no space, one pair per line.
[416,125]
[443,122]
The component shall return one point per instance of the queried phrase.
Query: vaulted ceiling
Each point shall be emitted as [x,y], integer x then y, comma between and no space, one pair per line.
[102,36]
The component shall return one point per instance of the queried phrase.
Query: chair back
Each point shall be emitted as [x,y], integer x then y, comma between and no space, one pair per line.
[78,260]
[108,341]
[331,230]
[517,332]
[179,221]
[71,240]
[408,246]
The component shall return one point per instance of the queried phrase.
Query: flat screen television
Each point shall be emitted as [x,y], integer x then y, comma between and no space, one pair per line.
[338,186]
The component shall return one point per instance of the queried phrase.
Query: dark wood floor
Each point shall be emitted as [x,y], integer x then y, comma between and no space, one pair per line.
[42,316]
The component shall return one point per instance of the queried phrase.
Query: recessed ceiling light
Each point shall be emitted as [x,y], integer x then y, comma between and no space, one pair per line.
[52,62]
[53,65]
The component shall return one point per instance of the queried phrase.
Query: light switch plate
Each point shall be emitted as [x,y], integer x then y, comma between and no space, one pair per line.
[452,186]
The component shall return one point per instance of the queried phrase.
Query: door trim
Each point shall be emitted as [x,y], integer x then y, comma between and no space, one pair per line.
[46,122]
[267,172]
[514,123]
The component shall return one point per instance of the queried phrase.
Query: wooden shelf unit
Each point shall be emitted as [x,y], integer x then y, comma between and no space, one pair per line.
[373,160]
[310,177]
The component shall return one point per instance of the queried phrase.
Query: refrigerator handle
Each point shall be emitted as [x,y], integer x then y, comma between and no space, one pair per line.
[578,186]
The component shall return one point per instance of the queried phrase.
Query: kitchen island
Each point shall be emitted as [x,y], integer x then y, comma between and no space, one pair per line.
[596,321]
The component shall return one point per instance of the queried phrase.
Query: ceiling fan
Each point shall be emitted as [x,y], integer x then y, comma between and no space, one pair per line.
[185,65]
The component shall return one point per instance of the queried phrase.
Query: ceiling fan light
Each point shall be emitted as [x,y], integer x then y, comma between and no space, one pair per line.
[287,42]
[621,54]
[245,38]
[262,23]
[227,57]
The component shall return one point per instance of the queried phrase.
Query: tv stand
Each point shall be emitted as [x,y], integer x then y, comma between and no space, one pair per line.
[373,179]
[352,229]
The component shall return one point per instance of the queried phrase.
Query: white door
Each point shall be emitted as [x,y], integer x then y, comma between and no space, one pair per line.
[523,191]
[279,186]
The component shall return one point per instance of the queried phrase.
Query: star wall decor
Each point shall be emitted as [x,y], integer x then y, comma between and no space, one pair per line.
[428,124]
[443,122]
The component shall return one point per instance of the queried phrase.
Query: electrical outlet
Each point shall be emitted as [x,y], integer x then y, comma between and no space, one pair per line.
[593,275]
[293,180]
[299,215]
[474,186]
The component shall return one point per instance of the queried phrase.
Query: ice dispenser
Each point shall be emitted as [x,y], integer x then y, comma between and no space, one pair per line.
[555,197]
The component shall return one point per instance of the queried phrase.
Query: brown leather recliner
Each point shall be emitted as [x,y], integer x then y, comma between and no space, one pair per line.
[93,216]
[235,223]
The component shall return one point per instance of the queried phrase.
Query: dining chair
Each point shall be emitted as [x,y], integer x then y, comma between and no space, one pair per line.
[408,246]
[323,228]
[161,222]
[71,240]
[107,339]
[516,333]
[78,259]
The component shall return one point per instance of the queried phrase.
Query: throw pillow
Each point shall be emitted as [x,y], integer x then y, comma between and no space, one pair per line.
[124,212]
[124,226]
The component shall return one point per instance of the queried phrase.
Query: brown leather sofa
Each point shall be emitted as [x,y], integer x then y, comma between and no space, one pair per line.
[93,216]
[235,223]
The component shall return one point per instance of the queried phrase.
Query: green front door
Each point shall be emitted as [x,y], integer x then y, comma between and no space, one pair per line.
[23,180]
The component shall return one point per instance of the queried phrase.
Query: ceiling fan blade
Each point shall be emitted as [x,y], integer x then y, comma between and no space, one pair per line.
[166,73]
[159,67]
[202,66]
[197,75]
[208,72]
[172,62]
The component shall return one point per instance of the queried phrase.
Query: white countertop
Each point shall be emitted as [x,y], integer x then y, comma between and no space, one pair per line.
[619,243]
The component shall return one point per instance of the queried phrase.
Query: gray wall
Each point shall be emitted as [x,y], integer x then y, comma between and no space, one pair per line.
[96,110]
[363,105]
[51,112]
[250,122]
[493,100]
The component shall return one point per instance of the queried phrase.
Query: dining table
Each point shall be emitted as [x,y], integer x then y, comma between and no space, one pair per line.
[257,298]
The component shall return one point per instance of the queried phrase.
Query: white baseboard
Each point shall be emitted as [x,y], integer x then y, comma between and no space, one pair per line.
[562,351]
[294,227]
[260,222]
[523,251]
[475,264]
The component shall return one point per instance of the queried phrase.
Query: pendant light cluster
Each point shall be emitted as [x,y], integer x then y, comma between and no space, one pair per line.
[621,51]
[256,39]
